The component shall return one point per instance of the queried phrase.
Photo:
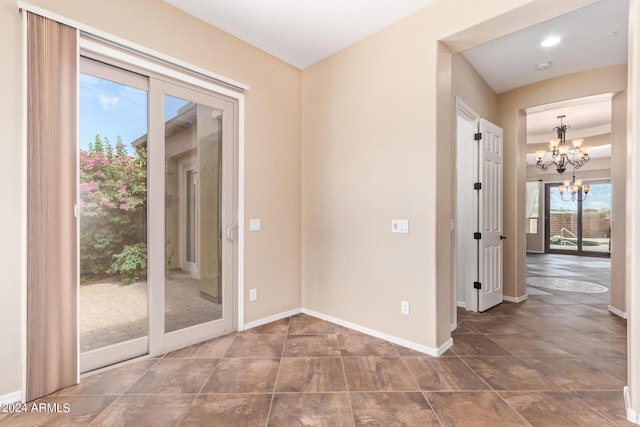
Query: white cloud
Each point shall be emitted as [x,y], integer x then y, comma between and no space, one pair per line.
[107,102]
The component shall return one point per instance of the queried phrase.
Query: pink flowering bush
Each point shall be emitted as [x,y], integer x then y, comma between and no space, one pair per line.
[113,204]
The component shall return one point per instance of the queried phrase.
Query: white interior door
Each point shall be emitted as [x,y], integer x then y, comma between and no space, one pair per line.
[489,170]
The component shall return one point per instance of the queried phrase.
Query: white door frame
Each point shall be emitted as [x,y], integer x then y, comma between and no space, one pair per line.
[464,271]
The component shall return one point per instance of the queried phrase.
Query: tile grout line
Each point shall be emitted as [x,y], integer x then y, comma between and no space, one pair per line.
[124,391]
[344,376]
[574,393]
[513,409]
[213,370]
[275,383]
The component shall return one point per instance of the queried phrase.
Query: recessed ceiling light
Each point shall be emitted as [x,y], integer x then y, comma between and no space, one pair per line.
[543,66]
[550,41]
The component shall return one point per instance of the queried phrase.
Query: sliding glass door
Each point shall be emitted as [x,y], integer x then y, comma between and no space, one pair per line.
[157,207]
[114,323]
[576,226]
[198,159]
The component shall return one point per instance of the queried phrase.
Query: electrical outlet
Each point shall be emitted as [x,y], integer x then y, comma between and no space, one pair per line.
[404,307]
[253,294]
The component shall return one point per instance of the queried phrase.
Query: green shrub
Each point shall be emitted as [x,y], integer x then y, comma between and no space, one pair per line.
[131,263]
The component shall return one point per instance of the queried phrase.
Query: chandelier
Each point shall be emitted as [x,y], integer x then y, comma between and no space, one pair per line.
[573,189]
[562,155]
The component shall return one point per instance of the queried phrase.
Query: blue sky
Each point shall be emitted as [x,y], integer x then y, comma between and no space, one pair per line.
[111,109]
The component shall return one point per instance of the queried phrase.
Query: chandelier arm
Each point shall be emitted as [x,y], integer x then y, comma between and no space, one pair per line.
[578,196]
[562,158]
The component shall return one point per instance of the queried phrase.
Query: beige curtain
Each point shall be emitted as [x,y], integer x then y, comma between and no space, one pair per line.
[52,75]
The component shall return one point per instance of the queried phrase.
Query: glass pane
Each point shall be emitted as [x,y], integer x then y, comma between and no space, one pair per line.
[563,222]
[193,141]
[596,219]
[113,213]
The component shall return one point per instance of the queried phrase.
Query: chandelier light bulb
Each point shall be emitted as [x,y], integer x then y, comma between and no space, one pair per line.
[563,156]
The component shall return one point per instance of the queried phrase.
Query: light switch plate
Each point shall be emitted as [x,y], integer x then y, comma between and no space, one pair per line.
[404,308]
[400,226]
[253,294]
[254,225]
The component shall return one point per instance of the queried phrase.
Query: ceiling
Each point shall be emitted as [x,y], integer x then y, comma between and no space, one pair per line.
[586,117]
[592,37]
[303,32]
[300,32]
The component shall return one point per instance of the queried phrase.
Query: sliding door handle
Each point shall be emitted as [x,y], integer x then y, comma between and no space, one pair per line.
[232,233]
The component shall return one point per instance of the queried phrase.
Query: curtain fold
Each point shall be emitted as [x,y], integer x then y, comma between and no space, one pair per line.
[52,75]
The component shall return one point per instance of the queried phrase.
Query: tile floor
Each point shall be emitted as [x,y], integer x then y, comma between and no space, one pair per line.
[554,360]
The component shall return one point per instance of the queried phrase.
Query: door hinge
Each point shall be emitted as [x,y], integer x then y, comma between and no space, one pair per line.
[477,186]
[477,236]
[477,136]
[477,285]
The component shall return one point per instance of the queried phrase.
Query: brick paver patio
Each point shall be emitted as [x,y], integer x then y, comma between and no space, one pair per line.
[115,312]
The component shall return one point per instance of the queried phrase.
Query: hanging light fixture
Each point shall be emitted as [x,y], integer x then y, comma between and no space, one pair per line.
[573,189]
[562,155]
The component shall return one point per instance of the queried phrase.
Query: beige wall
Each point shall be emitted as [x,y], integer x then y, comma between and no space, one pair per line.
[272,143]
[618,200]
[12,250]
[374,115]
[512,119]
[467,84]
[633,211]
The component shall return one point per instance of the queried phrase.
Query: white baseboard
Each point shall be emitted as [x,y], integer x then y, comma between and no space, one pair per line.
[400,341]
[618,312]
[461,304]
[270,319]
[632,416]
[14,397]
[515,299]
